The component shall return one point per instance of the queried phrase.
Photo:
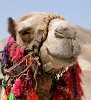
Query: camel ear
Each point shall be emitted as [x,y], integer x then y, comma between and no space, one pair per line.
[11,27]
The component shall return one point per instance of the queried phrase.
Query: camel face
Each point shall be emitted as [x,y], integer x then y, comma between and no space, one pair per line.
[30,33]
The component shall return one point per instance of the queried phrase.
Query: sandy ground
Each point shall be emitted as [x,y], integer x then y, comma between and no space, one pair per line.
[86,77]
[86,81]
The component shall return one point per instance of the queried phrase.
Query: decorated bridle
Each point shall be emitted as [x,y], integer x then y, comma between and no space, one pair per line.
[22,66]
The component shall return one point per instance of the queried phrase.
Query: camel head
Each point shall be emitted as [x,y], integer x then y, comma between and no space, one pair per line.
[51,35]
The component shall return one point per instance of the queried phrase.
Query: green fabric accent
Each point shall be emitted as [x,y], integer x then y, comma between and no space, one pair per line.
[11,97]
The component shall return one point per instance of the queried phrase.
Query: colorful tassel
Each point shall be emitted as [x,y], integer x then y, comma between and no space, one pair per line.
[8,89]
[16,53]
[69,85]
[5,97]
[18,87]
[11,39]
[11,97]
[32,95]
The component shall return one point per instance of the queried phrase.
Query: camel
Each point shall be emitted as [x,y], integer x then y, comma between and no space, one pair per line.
[53,39]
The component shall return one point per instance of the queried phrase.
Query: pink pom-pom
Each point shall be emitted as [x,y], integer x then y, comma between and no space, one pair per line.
[18,87]
[16,53]
[11,39]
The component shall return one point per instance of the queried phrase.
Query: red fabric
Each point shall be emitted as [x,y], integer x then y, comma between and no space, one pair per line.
[32,95]
[69,85]
[7,90]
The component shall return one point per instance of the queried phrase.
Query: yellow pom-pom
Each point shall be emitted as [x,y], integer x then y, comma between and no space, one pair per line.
[5,97]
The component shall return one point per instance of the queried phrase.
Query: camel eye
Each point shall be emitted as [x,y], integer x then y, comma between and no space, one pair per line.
[23,32]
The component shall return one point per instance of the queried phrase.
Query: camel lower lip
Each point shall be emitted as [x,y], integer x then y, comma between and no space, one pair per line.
[70,60]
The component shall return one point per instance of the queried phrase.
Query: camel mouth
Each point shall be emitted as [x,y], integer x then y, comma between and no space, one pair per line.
[70,60]
[61,57]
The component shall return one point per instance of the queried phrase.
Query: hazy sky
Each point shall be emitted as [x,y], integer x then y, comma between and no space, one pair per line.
[78,12]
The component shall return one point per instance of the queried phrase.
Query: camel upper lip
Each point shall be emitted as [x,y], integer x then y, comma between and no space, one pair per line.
[60,35]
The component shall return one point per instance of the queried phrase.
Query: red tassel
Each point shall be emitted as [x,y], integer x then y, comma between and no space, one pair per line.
[79,81]
[7,90]
[69,85]
[32,95]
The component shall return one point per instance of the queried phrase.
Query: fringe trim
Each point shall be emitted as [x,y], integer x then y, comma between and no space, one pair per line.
[69,86]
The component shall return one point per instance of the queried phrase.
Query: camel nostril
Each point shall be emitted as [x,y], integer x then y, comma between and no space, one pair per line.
[65,29]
